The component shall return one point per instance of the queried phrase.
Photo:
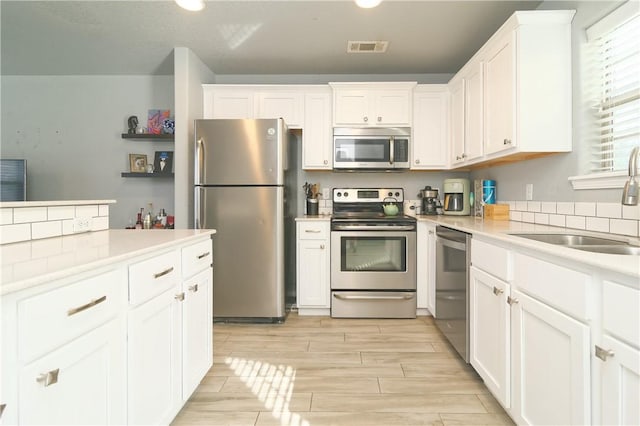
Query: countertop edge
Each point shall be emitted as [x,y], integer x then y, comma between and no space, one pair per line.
[123,255]
[18,204]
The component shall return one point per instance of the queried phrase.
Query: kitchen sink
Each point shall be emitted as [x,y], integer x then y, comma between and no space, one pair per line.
[613,249]
[585,243]
[572,239]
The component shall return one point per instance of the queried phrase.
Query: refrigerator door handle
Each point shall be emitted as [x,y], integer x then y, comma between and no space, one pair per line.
[199,178]
[198,207]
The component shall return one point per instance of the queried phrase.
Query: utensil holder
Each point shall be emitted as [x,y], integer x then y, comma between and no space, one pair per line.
[312,207]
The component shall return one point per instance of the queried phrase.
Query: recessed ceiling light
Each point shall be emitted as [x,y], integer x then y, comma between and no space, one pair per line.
[368,4]
[192,5]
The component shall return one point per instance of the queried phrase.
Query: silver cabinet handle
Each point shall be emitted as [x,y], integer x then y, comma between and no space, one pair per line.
[312,231]
[49,378]
[512,300]
[417,161]
[431,232]
[321,246]
[204,255]
[366,119]
[163,273]
[326,162]
[506,142]
[464,156]
[2,407]
[603,354]
[379,119]
[458,157]
[193,288]
[91,304]
[343,297]
[179,296]
[497,291]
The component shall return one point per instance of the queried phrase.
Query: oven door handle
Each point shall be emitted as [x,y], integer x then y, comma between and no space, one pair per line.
[353,297]
[451,244]
[337,227]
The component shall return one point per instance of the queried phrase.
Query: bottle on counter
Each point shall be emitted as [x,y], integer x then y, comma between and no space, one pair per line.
[146,224]
[139,223]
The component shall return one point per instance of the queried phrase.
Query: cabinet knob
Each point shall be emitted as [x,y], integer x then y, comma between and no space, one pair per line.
[326,162]
[506,142]
[366,119]
[431,232]
[417,161]
[497,291]
[379,119]
[179,296]
[2,407]
[321,246]
[603,354]
[193,288]
[464,156]
[49,378]
[458,157]
[512,300]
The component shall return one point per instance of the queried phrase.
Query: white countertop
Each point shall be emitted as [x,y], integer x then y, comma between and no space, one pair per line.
[16,204]
[321,217]
[500,230]
[30,263]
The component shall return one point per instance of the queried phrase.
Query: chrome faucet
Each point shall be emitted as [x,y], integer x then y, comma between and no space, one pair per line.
[630,191]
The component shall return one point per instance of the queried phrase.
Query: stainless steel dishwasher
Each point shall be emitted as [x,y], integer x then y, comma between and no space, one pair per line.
[453,256]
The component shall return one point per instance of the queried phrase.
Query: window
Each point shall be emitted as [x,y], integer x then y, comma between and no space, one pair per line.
[617,120]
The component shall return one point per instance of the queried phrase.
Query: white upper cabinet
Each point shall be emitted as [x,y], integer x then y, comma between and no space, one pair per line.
[372,104]
[255,101]
[430,127]
[518,93]
[317,133]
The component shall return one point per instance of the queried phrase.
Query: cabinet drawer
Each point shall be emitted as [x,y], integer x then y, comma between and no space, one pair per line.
[313,230]
[560,287]
[153,276]
[492,259]
[621,311]
[197,257]
[50,319]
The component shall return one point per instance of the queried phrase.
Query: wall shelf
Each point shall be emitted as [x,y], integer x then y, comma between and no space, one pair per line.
[148,136]
[150,175]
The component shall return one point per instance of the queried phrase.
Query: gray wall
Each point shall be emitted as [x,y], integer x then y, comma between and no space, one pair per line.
[68,128]
[549,175]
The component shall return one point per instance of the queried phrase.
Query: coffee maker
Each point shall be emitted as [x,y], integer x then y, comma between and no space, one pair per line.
[456,197]
[429,200]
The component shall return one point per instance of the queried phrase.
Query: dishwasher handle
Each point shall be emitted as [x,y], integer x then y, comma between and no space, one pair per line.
[451,244]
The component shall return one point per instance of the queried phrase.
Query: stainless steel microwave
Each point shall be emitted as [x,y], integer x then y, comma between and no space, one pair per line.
[371,148]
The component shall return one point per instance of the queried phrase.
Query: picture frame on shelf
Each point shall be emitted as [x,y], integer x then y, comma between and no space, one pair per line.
[138,163]
[163,162]
[155,120]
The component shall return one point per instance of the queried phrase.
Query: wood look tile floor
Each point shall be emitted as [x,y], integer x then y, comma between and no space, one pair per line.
[317,371]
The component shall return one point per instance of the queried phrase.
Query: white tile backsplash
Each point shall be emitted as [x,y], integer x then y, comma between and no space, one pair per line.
[585,209]
[29,214]
[624,227]
[534,206]
[565,208]
[600,217]
[576,222]
[61,212]
[611,210]
[31,223]
[548,207]
[598,224]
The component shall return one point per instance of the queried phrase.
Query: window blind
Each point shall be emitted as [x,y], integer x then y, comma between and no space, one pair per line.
[617,122]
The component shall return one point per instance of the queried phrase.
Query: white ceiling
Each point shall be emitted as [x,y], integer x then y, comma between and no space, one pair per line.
[245,37]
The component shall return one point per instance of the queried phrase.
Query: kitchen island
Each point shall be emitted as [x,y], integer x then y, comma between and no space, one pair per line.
[106,327]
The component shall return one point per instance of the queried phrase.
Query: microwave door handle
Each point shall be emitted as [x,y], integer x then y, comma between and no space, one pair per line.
[392,149]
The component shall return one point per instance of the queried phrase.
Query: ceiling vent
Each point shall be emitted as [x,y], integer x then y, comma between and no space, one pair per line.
[367,46]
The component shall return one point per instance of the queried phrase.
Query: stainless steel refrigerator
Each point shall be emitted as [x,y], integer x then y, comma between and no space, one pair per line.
[245,175]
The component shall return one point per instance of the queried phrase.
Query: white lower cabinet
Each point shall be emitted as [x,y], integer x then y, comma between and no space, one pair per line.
[426,268]
[313,254]
[490,338]
[551,365]
[79,383]
[154,359]
[197,320]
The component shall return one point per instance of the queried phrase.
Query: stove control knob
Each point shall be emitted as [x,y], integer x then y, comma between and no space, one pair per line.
[397,194]
[339,194]
[346,194]
[390,194]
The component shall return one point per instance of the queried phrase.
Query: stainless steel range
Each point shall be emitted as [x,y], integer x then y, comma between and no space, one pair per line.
[373,255]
